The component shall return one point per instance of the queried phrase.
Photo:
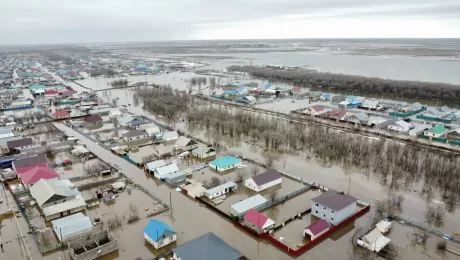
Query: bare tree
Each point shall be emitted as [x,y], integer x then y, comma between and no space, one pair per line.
[133,213]
[240,176]
[213,182]
[115,222]
[115,102]
[254,170]
[435,215]
[441,248]
[273,196]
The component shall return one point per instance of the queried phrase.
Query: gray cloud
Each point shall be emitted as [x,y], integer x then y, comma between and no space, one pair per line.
[119,20]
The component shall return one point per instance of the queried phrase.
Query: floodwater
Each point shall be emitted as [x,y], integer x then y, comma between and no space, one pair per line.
[389,67]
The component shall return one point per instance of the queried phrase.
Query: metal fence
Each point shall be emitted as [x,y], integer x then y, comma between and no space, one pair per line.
[427,228]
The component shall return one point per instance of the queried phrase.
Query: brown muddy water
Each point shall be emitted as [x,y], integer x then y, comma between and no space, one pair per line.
[191,220]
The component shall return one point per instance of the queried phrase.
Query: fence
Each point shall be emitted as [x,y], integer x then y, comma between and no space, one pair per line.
[397,114]
[98,183]
[427,228]
[443,120]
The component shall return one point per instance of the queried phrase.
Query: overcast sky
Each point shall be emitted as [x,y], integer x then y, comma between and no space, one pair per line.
[68,21]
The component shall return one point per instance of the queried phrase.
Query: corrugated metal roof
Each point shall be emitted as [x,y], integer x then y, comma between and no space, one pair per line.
[155,229]
[334,200]
[248,203]
[220,188]
[70,225]
[266,177]
[68,205]
[43,190]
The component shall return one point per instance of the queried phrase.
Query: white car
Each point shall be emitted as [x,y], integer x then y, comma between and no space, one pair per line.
[183,155]
[241,166]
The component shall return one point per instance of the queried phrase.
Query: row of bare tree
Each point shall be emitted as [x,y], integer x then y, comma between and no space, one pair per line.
[312,79]
[397,166]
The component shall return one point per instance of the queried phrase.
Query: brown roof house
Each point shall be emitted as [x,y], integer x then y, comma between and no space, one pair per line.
[264,181]
[333,206]
[19,144]
[93,120]
[134,135]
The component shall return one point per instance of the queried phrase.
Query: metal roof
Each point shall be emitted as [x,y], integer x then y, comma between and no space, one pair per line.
[334,200]
[225,162]
[155,164]
[248,203]
[207,247]
[72,224]
[19,143]
[167,169]
[30,161]
[155,229]
[266,177]
[43,190]
[220,188]
[61,207]
[134,133]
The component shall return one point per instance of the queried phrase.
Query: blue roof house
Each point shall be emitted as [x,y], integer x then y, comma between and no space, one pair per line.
[159,234]
[241,91]
[268,86]
[230,92]
[225,163]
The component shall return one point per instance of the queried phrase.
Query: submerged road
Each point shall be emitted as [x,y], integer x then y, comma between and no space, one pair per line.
[188,217]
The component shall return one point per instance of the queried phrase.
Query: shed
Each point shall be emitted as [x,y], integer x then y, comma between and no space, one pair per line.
[170,136]
[374,240]
[220,190]
[117,186]
[152,166]
[384,226]
[225,163]
[72,227]
[174,178]
[316,229]
[159,234]
[79,150]
[61,114]
[161,172]
[243,206]
[264,181]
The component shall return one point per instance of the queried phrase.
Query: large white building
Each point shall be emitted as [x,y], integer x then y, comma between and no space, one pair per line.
[400,126]
[264,181]
[333,206]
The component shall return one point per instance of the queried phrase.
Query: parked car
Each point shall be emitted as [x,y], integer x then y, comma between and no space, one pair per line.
[183,155]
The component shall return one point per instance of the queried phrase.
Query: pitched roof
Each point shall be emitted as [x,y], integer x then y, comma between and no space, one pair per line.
[31,161]
[167,169]
[339,113]
[37,173]
[255,218]
[19,143]
[71,225]
[318,227]
[184,141]
[439,129]
[92,118]
[266,177]
[334,200]
[61,113]
[225,161]
[134,133]
[207,247]
[51,92]
[155,164]
[317,108]
[43,190]
[155,229]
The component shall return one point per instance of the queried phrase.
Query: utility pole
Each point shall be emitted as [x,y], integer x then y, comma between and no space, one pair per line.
[349,184]
[170,202]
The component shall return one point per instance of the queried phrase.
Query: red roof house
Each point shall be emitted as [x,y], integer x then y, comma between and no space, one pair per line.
[258,221]
[316,229]
[51,93]
[337,114]
[92,119]
[35,174]
[69,92]
[25,164]
[61,114]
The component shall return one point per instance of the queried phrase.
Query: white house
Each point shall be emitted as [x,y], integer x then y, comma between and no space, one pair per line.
[133,135]
[374,240]
[170,136]
[333,206]
[57,198]
[115,112]
[161,172]
[220,190]
[159,234]
[400,126]
[370,104]
[314,110]
[315,230]
[152,166]
[152,131]
[258,221]
[264,181]
[184,143]
[224,164]
[203,152]
[438,131]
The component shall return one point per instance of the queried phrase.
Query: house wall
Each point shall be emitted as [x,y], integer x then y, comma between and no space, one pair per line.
[258,230]
[52,203]
[397,128]
[75,236]
[335,217]
[206,155]
[220,193]
[225,168]
[96,252]
[430,134]
[161,242]
[136,137]
[249,183]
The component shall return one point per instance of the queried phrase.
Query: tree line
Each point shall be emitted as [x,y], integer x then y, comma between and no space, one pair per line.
[119,83]
[395,165]
[400,88]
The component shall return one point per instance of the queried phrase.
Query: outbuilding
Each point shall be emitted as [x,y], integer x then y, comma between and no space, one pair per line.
[72,227]
[159,234]
[152,166]
[264,181]
[93,120]
[60,114]
[225,163]
[220,190]
[243,206]
[316,229]
[174,178]
[162,172]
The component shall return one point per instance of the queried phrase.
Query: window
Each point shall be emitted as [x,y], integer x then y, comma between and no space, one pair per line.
[332,211]
[316,204]
[332,219]
[324,208]
[324,215]
[316,212]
